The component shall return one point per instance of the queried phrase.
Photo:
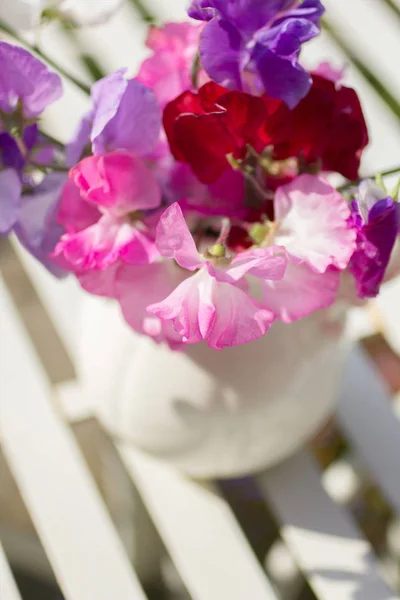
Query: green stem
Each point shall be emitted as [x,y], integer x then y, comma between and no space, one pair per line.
[85,88]
[391,4]
[145,14]
[350,184]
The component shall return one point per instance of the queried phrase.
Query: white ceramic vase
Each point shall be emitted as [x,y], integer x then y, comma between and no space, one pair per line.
[231,412]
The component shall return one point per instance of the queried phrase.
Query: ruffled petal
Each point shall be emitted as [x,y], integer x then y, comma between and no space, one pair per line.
[202,308]
[118,181]
[314,223]
[97,246]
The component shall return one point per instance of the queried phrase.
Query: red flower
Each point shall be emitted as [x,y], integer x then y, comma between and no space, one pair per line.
[204,128]
[327,125]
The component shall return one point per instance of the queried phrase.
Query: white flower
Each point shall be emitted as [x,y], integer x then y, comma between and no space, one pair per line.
[27,14]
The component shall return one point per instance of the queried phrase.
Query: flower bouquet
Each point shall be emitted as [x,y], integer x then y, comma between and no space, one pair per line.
[198,196]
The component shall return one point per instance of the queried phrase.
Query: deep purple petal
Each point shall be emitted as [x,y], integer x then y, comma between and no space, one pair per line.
[222,50]
[10,200]
[380,210]
[282,77]
[23,77]
[375,244]
[308,9]
[37,228]
[201,10]
[247,16]
[30,136]
[126,116]
[10,154]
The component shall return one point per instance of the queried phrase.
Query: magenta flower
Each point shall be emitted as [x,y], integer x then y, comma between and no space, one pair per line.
[107,219]
[247,38]
[377,219]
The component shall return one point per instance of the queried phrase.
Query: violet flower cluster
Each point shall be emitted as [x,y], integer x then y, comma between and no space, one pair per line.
[197,194]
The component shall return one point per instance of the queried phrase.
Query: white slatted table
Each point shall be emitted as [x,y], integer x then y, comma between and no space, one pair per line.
[196,524]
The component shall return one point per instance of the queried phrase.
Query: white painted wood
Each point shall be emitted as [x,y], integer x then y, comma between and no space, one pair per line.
[327,545]
[76,531]
[8,587]
[201,533]
[366,414]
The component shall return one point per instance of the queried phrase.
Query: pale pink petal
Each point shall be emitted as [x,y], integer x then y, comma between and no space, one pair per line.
[314,223]
[202,308]
[263,263]
[97,246]
[137,287]
[118,181]
[174,239]
[100,283]
[74,213]
[300,292]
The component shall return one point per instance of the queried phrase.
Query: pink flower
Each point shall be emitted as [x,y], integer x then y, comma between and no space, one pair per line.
[168,71]
[105,213]
[312,223]
[213,304]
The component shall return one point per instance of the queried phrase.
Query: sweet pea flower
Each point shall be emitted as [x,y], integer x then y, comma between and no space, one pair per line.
[27,86]
[296,269]
[27,14]
[168,72]
[125,116]
[249,37]
[377,219]
[107,220]
[213,304]
[204,128]
[327,126]
[312,223]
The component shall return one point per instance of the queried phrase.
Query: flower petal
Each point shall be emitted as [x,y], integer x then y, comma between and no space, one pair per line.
[25,78]
[300,292]
[117,181]
[263,263]
[202,308]
[137,287]
[10,199]
[38,229]
[174,239]
[97,246]
[314,223]
[126,116]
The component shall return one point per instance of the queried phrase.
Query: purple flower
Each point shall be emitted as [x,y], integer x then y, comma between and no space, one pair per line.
[261,38]
[25,81]
[125,116]
[376,217]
